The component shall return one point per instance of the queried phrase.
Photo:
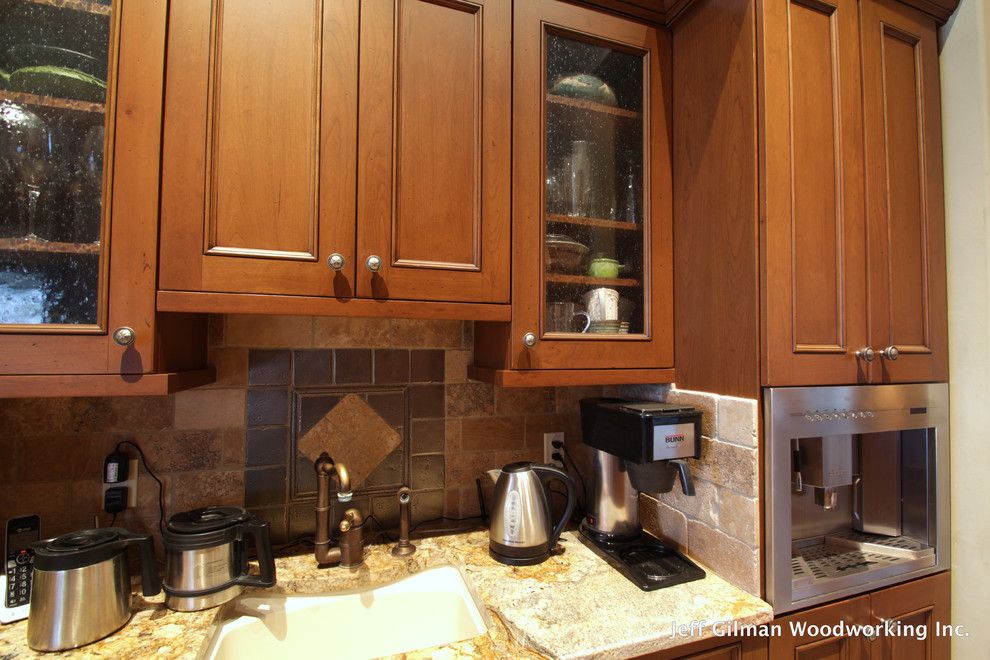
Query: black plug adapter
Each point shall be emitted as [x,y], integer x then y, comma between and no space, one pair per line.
[115,499]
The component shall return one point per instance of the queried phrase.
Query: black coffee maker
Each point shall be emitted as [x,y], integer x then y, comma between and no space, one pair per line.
[639,446]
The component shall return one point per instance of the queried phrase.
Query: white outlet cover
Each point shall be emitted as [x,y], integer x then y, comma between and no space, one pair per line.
[548,449]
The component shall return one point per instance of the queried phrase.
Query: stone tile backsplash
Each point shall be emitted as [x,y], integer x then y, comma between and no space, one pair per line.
[235,441]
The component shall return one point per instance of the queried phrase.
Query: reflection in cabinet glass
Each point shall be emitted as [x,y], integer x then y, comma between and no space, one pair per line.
[594,277]
[53,95]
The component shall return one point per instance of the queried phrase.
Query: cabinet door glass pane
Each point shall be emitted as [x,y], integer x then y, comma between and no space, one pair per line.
[54,61]
[594,236]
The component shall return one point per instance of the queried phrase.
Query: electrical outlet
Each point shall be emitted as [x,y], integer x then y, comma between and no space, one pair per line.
[131,484]
[549,440]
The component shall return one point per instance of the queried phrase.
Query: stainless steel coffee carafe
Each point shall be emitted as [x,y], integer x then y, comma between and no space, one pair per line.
[206,557]
[520,532]
[81,590]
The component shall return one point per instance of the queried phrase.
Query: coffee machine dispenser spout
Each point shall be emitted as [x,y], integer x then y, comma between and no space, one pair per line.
[687,485]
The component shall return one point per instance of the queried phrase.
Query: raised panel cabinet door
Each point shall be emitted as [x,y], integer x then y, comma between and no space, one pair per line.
[79,173]
[803,637]
[434,150]
[592,202]
[904,191]
[909,614]
[259,147]
[815,247]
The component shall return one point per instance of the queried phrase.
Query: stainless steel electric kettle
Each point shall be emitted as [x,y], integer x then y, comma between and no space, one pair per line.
[520,532]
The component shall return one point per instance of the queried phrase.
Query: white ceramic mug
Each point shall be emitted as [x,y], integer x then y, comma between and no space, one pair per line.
[602,304]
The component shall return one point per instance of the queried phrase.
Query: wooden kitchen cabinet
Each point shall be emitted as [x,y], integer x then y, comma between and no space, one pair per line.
[906,613]
[718,648]
[855,244]
[815,247]
[79,211]
[591,181]
[434,149]
[317,154]
[807,172]
[853,612]
[905,207]
[923,603]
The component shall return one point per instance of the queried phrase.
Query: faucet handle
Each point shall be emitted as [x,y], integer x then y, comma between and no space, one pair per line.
[404,548]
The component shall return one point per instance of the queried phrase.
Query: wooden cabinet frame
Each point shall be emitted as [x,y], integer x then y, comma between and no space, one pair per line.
[130,199]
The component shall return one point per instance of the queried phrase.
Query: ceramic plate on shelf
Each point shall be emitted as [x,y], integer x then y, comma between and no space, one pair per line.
[59,82]
[583,86]
[25,55]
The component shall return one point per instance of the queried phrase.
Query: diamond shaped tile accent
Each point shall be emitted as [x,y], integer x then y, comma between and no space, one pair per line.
[354,434]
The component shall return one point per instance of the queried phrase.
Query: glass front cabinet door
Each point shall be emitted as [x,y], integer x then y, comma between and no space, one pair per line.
[592,191]
[67,192]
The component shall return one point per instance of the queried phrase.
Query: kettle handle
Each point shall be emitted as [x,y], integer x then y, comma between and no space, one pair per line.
[551,472]
[258,529]
[150,584]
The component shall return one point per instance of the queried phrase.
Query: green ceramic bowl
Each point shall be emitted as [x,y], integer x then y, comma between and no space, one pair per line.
[604,268]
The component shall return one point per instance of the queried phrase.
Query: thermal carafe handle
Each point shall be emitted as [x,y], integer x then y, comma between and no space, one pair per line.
[258,531]
[550,472]
[687,485]
[151,585]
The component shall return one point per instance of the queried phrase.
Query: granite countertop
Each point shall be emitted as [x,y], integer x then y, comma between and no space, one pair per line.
[573,605]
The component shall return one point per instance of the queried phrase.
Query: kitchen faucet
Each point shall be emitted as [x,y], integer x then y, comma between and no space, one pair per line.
[350,551]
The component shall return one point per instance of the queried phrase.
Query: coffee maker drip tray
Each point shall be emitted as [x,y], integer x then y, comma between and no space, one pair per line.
[645,561]
[849,557]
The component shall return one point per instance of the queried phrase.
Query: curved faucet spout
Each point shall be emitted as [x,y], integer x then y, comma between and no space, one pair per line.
[351,550]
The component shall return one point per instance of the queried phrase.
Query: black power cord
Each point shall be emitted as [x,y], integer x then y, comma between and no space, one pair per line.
[563,455]
[151,473]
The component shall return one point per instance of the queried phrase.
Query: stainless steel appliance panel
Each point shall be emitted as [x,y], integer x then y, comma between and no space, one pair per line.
[614,505]
[918,415]
[877,491]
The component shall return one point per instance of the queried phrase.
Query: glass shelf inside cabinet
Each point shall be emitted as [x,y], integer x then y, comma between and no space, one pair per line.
[54,66]
[594,239]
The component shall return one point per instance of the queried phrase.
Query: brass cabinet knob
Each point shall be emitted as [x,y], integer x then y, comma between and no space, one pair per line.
[866,354]
[891,353]
[336,261]
[374,263]
[529,340]
[124,336]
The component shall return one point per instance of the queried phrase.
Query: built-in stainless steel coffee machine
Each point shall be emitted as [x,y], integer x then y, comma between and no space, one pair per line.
[638,446]
[857,489]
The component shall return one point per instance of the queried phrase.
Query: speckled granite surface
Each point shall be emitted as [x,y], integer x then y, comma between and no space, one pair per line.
[572,606]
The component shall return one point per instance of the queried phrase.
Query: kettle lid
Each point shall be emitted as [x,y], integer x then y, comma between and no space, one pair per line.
[207,519]
[521,466]
[79,549]
[76,542]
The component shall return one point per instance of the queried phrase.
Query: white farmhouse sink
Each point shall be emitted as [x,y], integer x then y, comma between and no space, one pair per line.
[433,607]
